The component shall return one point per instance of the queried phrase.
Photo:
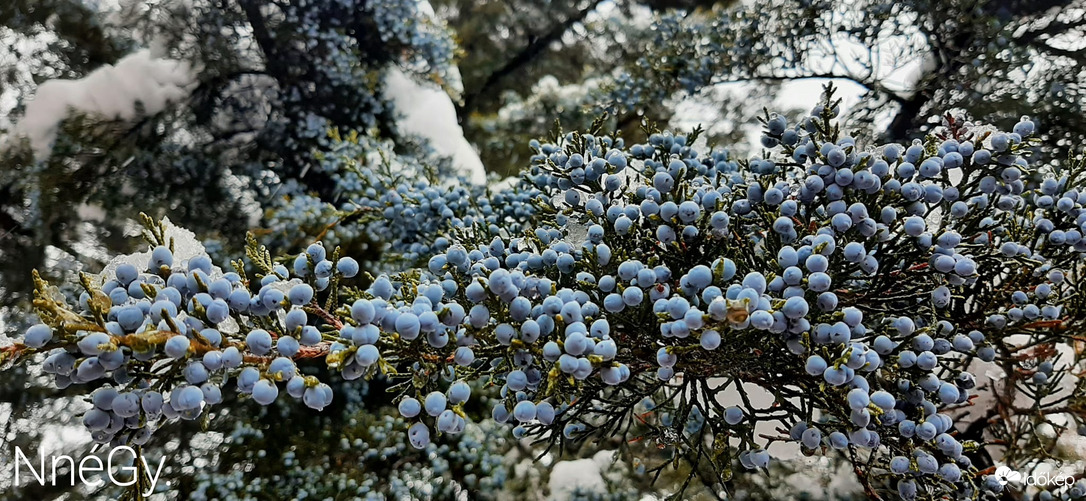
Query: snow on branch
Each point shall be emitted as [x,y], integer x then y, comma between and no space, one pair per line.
[429,112]
[111,91]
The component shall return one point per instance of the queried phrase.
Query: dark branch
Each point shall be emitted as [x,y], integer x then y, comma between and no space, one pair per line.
[949,53]
[525,56]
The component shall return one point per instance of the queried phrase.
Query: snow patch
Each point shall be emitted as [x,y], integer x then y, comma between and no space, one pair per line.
[429,112]
[586,475]
[111,91]
[185,247]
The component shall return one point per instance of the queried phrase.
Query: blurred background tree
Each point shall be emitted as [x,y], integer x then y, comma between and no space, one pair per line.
[215,112]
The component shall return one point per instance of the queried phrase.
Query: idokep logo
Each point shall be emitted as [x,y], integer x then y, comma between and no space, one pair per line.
[1006,475]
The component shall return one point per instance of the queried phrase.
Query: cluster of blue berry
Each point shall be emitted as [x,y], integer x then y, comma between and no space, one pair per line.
[858,287]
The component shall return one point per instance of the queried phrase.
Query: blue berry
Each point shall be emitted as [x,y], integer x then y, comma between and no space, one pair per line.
[40,334]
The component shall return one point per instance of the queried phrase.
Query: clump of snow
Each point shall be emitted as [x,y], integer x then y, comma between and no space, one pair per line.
[111,91]
[185,247]
[586,475]
[576,233]
[429,112]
